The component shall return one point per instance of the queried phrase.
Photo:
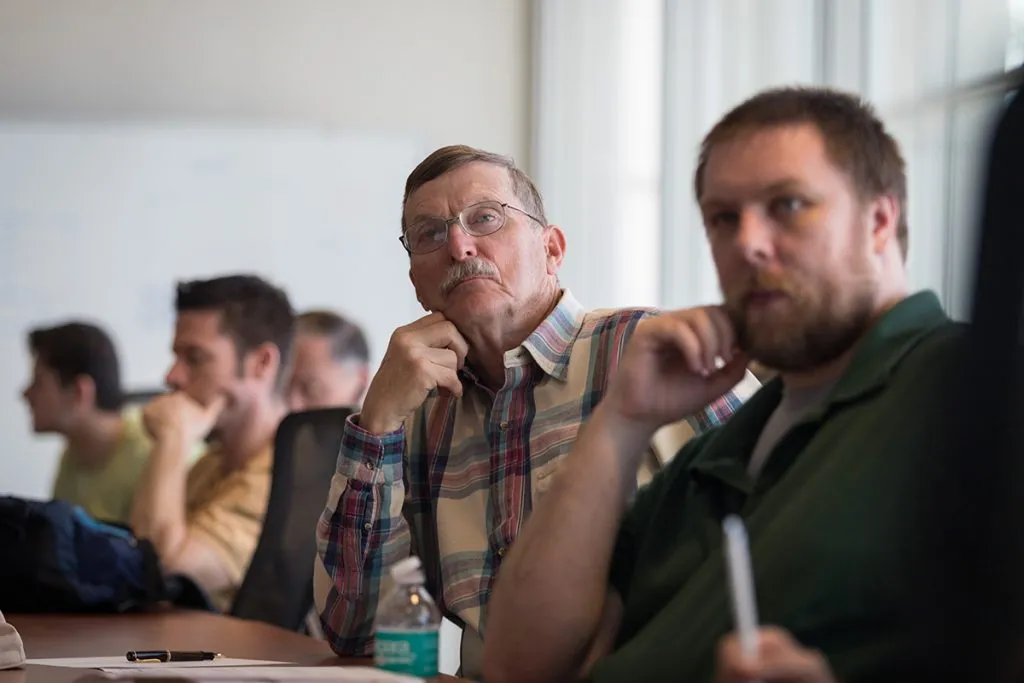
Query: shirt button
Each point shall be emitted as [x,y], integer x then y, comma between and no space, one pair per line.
[368,526]
[369,466]
[501,551]
[503,426]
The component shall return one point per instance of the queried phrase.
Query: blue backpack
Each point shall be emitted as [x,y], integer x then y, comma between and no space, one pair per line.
[56,558]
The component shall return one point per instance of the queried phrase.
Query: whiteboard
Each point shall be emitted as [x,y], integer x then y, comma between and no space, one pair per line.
[99,222]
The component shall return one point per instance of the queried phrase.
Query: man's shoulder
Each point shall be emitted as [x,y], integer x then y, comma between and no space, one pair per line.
[612,323]
[136,443]
[941,348]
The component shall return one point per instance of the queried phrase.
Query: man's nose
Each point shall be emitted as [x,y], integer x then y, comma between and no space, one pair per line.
[461,245]
[174,378]
[754,236]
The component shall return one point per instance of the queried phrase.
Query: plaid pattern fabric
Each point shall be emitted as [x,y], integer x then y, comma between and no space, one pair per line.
[456,483]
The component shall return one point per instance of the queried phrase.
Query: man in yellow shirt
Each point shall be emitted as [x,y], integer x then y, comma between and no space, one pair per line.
[75,391]
[232,340]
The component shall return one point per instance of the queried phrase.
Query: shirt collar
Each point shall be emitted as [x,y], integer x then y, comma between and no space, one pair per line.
[550,345]
[880,352]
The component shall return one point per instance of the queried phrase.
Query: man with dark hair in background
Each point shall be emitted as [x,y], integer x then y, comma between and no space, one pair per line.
[75,391]
[231,343]
[331,365]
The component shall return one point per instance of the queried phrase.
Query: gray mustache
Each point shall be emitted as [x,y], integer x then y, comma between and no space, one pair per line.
[463,270]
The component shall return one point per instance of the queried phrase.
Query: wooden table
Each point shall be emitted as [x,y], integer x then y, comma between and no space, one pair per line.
[47,636]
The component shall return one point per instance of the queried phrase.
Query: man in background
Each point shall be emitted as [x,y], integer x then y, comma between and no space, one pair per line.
[331,365]
[231,343]
[75,391]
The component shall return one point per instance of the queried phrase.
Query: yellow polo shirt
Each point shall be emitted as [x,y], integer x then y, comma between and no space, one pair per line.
[226,509]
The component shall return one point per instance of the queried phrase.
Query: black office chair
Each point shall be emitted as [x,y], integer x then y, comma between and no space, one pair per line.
[142,396]
[278,587]
[970,557]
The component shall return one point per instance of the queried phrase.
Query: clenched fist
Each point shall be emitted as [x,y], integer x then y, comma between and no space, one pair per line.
[422,356]
[780,659]
[177,414]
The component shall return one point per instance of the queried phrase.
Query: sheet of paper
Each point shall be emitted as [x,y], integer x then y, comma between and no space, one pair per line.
[268,674]
[122,663]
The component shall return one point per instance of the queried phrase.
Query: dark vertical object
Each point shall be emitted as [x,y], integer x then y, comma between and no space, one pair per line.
[970,529]
[278,586]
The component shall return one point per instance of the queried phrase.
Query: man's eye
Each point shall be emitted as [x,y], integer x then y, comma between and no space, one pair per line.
[484,217]
[723,219]
[788,205]
[425,233]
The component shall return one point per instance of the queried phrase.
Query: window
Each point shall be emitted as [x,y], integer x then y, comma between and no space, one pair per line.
[934,69]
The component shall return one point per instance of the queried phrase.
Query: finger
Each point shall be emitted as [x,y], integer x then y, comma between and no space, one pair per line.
[443,334]
[728,376]
[426,321]
[447,379]
[711,346]
[726,331]
[680,337]
[445,358]
[798,666]
[459,345]
[731,666]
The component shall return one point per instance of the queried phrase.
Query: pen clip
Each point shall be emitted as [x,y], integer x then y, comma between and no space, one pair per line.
[149,661]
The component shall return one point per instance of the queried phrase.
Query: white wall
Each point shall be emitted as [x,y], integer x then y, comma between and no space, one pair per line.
[440,72]
[454,70]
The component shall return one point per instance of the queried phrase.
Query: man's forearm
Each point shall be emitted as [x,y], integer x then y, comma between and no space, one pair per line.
[158,508]
[550,592]
[360,535]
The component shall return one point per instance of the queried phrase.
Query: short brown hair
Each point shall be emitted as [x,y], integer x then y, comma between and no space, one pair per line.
[347,339]
[253,311]
[855,139]
[449,158]
[78,349]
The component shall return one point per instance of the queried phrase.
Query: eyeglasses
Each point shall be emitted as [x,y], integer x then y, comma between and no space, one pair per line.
[479,220]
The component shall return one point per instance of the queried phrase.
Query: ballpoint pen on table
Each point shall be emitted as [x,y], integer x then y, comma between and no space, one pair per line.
[157,656]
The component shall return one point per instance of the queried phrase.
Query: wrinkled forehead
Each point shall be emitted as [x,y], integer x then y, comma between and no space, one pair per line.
[448,194]
[751,161]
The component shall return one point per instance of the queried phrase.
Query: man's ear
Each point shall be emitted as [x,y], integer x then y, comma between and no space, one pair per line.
[885,220]
[263,362]
[554,246]
[83,391]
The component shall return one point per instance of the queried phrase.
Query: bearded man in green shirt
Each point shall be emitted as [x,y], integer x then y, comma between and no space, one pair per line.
[803,196]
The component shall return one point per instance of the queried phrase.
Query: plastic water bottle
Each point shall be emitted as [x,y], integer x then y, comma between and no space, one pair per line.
[406,629]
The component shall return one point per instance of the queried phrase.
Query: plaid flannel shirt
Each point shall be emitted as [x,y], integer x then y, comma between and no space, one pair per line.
[455,484]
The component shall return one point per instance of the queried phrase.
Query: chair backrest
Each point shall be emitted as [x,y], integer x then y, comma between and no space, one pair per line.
[142,396]
[970,556]
[278,586]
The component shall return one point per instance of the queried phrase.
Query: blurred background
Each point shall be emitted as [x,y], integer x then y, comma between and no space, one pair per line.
[147,141]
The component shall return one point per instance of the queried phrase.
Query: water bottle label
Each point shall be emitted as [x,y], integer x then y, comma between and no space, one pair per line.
[406,651]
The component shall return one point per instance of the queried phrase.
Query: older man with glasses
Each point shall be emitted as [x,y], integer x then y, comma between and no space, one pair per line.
[475,405]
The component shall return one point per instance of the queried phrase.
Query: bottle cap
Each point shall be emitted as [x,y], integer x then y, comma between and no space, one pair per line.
[407,571]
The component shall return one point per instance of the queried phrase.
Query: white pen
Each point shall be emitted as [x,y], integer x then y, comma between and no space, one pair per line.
[741,584]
